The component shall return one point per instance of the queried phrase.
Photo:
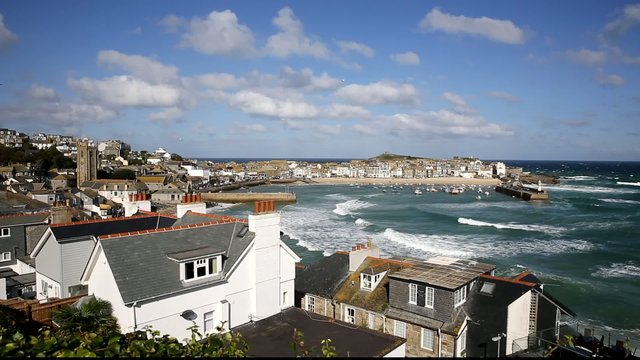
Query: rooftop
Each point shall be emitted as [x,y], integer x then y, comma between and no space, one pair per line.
[272,336]
[444,272]
[111,226]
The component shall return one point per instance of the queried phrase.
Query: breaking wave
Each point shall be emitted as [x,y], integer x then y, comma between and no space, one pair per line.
[362,222]
[347,207]
[541,228]
[620,201]
[589,189]
[618,270]
[628,183]
[579,177]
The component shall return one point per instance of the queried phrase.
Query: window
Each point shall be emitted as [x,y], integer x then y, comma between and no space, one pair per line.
[366,282]
[371,321]
[413,293]
[487,288]
[400,329]
[428,337]
[428,297]
[350,315]
[311,303]
[6,256]
[208,321]
[5,232]
[200,268]
[462,342]
[459,296]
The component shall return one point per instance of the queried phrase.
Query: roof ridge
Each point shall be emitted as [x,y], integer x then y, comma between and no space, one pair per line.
[521,275]
[520,282]
[18,215]
[376,261]
[164,229]
[72,223]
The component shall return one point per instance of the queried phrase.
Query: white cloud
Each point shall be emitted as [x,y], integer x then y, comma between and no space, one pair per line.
[587,57]
[293,124]
[6,36]
[167,115]
[139,66]
[250,128]
[497,30]
[126,91]
[329,129]
[219,34]
[39,92]
[609,80]
[504,96]
[260,104]
[364,129]
[220,81]
[444,123]
[346,46]
[136,31]
[304,79]
[382,92]
[622,24]
[343,111]
[172,23]
[408,58]
[83,113]
[458,103]
[291,40]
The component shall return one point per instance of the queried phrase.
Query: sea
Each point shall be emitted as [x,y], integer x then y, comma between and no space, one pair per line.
[584,243]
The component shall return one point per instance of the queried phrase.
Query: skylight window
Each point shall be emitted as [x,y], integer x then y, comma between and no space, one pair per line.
[487,288]
[243,231]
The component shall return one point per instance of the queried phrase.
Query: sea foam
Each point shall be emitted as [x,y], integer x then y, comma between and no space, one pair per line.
[628,183]
[589,189]
[620,201]
[349,206]
[618,270]
[526,227]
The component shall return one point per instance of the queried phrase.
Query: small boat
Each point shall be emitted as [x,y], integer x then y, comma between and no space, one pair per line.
[478,197]
[418,192]
[433,189]
[454,191]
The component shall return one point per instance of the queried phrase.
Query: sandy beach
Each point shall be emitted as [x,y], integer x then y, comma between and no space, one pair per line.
[402,181]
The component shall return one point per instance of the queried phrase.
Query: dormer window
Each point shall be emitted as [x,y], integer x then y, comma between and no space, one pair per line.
[370,281]
[5,232]
[198,263]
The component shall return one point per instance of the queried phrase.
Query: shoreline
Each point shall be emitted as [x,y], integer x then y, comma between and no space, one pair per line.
[401,181]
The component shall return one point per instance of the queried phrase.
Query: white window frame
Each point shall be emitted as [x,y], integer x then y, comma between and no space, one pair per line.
[364,283]
[208,319]
[400,328]
[413,294]
[4,232]
[460,296]
[429,297]
[5,256]
[462,342]
[350,318]
[433,339]
[201,263]
[311,303]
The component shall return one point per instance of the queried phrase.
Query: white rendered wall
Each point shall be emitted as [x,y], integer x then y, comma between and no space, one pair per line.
[267,260]
[518,320]
[53,289]
[199,207]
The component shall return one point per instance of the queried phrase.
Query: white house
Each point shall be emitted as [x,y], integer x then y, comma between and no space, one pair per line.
[63,250]
[226,270]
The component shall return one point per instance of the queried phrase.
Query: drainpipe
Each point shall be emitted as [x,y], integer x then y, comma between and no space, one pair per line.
[135,321]
[384,324]
[439,343]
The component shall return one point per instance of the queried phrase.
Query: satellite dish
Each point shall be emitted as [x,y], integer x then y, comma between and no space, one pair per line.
[189,315]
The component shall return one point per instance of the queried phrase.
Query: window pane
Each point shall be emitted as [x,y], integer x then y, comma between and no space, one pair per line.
[427,339]
[201,271]
[428,297]
[212,266]
[188,271]
[413,293]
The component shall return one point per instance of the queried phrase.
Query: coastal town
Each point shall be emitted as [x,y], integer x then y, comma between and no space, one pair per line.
[134,228]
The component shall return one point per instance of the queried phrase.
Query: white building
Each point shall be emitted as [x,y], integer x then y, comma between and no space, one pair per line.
[231,270]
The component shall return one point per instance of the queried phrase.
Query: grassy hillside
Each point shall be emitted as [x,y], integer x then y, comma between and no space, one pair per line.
[393,157]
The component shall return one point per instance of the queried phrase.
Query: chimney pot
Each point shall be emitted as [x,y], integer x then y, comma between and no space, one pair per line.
[354,248]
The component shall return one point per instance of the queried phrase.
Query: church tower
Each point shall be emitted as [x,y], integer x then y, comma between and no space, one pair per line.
[87,162]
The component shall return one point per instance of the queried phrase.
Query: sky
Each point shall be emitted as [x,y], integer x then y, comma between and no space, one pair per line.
[511,80]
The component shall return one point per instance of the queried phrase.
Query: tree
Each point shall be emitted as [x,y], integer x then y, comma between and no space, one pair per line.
[95,316]
[124,174]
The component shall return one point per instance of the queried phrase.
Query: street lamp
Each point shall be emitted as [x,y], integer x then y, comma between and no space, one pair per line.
[497,338]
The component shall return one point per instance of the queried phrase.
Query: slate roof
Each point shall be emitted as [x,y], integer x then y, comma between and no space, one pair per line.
[11,203]
[23,219]
[324,277]
[444,272]
[271,337]
[110,226]
[377,299]
[197,218]
[142,269]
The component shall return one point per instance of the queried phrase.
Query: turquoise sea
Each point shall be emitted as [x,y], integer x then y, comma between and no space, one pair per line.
[584,243]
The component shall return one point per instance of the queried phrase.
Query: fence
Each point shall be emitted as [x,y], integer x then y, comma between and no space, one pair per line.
[39,312]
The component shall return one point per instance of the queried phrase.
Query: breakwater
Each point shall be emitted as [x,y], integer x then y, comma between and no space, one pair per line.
[248,197]
[523,193]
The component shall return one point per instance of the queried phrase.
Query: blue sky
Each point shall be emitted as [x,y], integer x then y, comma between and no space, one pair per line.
[554,80]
